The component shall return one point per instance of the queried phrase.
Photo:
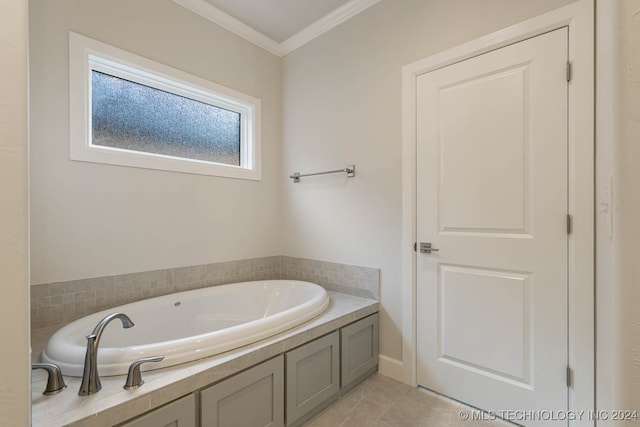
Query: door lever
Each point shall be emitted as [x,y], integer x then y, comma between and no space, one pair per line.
[425,248]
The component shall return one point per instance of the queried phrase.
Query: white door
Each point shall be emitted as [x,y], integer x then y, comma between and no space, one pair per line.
[492,198]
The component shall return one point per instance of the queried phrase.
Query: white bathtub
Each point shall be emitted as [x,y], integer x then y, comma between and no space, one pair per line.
[189,325]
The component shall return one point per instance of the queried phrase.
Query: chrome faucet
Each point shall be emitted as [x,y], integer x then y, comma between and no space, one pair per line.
[90,378]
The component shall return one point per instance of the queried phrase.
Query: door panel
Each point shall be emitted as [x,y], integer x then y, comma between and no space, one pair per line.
[497,342]
[492,197]
[492,144]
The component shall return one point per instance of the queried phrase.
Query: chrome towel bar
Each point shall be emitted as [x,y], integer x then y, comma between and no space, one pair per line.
[350,170]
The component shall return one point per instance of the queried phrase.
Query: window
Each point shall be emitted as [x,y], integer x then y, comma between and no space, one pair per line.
[130,111]
[135,117]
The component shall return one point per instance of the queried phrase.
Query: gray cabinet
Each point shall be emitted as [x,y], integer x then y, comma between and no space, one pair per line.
[359,346]
[316,374]
[180,413]
[253,398]
[313,375]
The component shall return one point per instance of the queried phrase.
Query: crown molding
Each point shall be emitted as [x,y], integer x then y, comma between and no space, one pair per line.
[239,28]
[229,23]
[326,23]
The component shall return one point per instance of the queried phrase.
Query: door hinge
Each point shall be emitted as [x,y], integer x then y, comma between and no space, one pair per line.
[415,246]
[568,71]
[569,224]
[569,377]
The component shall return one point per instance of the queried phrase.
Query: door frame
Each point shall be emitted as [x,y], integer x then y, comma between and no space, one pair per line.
[578,17]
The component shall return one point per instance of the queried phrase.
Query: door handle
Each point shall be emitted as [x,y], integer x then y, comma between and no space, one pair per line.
[425,248]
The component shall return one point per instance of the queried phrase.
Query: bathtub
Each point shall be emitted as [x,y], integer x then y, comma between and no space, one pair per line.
[189,325]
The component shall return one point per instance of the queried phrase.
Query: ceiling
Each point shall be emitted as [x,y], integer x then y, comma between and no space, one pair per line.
[279,26]
[277,19]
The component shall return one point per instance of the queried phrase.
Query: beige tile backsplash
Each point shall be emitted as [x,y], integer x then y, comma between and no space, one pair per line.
[59,303]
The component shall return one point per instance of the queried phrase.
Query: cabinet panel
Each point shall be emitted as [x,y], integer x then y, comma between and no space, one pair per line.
[253,398]
[312,375]
[181,413]
[359,345]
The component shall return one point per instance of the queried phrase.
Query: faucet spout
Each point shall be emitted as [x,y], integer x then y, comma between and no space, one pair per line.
[90,379]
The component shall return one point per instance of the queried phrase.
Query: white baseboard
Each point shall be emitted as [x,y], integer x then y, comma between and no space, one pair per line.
[392,368]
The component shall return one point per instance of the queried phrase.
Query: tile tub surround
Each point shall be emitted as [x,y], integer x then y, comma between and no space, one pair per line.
[347,279]
[113,405]
[56,304]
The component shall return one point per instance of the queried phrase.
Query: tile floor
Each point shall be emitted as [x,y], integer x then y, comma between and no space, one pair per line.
[383,402]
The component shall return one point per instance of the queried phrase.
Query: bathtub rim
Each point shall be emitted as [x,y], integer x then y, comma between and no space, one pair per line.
[175,356]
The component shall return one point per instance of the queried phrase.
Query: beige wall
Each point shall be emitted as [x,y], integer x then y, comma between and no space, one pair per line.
[92,220]
[627,175]
[342,105]
[14,244]
[618,225]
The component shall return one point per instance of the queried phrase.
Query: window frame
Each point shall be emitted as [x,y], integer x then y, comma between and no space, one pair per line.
[87,55]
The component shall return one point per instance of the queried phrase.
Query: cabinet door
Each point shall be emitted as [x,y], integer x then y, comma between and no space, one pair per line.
[359,343]
[253,398]
[312,376]
[181,413]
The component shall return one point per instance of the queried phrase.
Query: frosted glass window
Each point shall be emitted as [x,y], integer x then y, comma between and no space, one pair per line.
[127,110]
[135,117]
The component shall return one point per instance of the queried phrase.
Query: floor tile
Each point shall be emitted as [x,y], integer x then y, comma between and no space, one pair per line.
[383,402]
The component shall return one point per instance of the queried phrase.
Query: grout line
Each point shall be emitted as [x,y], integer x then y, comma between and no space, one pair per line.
[391,406]
[394,401]
[357,402]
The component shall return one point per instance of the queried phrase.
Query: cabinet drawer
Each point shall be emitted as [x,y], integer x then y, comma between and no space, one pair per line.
[312,376]
[253,398]
[359,347]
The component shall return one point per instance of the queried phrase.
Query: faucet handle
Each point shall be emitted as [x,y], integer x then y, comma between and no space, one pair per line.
[55,382]
[134,377]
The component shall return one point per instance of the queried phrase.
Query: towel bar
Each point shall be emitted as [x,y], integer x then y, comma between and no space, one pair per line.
[350,170]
